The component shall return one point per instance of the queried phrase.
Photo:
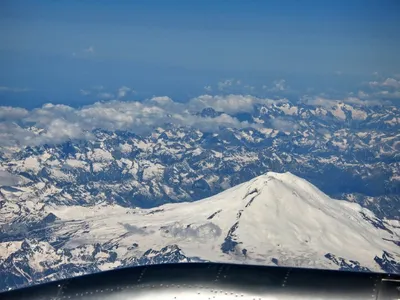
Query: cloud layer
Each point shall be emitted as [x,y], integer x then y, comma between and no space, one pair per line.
[100,93]
[56,123]
[388,82]
[388,88]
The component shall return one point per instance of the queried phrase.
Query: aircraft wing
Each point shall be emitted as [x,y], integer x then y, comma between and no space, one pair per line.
[209,281]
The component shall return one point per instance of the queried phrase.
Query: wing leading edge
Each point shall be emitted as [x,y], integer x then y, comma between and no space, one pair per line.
[189,281]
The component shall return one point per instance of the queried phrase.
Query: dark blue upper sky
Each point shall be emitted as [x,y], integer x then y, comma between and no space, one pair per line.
[55,48]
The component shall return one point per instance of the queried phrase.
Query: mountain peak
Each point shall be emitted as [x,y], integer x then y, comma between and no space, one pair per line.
[282,216]
[275,218]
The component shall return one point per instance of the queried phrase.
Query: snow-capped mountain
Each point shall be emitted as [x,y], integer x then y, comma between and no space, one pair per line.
[273,219]
[347,151]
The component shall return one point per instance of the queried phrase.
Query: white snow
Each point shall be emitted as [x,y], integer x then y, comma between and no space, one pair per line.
[341,144]
[125,148]
[45,156]
[266,131]
[258,120]
[98,167]
[393,121]
[197,151]
[57,173]
[282,217]
[31,163]
[143,146]
[100,155]
[75,163]
[40,185]
[356,114]
[109,265]
[124,163]
[152,170]
[289,110]
[395,178]
[169,191]
[53,162]
[217,154]
[242,157]
[319,111]
[8,248]
[338,112]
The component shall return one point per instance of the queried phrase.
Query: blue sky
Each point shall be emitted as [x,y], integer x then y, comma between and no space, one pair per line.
[52,50]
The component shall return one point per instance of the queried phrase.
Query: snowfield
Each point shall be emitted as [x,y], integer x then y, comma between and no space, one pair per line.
[274,216]
[273,219]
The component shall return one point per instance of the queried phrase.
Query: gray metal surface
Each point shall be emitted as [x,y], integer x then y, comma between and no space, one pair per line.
[211,281]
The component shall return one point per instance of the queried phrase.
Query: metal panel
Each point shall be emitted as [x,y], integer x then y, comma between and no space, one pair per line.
[211,281]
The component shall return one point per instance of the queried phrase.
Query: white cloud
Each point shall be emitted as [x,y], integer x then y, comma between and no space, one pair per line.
[161,100]
[230,104]
[362,94]
[12,134]
[391,82]
[388,94]
[278,86]
[386,89]
[12,113]
[250,88]
[98,87]
[374,84]
[387,83]
[51,124]
[105,96]
[228,83]
[208,88]
[222,85]
[212,124]
[284,125]
[13,89]
[90,49]
[83,53]
[54,123]
[84,92]
[123,91]
[141,117]
[119,115]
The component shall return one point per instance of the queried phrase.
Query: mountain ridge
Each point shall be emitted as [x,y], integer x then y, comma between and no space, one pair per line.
[352,158]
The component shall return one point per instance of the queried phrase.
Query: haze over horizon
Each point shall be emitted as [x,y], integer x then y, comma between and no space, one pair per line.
[56,52]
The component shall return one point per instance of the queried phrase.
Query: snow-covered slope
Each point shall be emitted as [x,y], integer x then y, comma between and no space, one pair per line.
[275,215]
[272,219]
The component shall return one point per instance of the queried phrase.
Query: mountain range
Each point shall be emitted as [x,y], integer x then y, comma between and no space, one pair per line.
[274,219]
[49,191]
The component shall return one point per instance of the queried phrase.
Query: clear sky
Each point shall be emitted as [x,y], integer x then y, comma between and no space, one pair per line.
[54,51]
